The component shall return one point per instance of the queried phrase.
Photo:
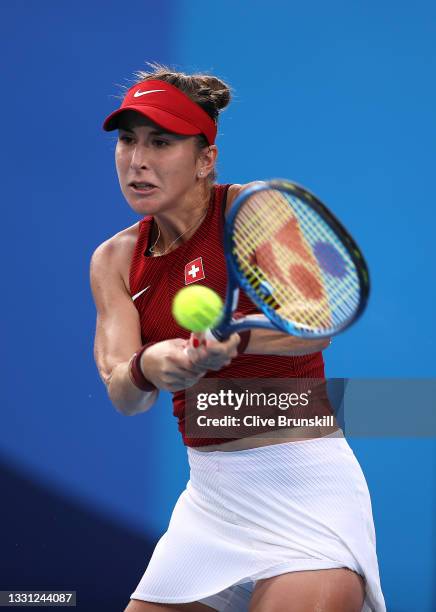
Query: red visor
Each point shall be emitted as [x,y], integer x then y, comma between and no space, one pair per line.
[167,106]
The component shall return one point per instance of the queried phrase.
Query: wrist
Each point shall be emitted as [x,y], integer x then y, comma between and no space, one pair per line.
[136,373]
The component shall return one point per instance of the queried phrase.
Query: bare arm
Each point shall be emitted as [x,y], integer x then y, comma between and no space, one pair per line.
[118,334]
[270,342]
[118,338]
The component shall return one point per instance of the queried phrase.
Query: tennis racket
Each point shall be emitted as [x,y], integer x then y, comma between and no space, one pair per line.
[294,260]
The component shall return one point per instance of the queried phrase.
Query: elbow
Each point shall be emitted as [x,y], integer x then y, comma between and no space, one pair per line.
[127,399]
[122,407]
[129,406]
[115,400]
[120,404]
[118,399]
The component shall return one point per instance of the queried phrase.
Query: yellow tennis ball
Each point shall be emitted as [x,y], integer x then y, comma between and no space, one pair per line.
[197,308]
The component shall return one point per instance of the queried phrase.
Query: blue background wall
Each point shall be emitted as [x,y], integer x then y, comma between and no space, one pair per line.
[338,96]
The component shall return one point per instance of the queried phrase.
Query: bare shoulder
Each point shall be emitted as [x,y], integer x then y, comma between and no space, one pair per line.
[235,190]
[111,259]
[117,245]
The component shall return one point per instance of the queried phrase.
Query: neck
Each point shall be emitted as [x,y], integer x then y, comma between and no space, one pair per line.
[174,227]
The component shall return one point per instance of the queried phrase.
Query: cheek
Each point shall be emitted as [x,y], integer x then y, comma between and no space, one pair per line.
[121,161]
[181,165]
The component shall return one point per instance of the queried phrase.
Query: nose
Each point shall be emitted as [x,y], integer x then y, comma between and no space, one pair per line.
[139,157]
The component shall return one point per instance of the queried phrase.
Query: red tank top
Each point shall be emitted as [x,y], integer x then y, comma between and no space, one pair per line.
[202,259]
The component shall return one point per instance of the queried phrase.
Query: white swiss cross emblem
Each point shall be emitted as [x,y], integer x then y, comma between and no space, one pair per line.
[194,271]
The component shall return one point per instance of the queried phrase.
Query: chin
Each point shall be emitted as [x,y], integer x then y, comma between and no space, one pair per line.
[143,205]
[144,209]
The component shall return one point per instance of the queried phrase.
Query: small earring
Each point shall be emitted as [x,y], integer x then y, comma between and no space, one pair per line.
[200,173]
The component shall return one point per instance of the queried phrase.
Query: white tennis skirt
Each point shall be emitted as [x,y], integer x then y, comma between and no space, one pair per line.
[257,513]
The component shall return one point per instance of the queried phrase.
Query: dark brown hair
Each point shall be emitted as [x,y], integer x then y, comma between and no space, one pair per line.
[209,92]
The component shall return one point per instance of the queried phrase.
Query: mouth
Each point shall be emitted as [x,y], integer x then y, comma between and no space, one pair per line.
[142,186]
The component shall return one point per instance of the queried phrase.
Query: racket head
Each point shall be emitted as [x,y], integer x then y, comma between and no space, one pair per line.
[295,260]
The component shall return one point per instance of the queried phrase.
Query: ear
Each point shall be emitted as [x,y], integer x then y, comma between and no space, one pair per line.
[206,161]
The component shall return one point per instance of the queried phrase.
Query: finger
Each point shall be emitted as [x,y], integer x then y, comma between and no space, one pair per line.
[199,370]
[219,350]
[195,356]
[199,356]
[213,350]
[196,372]
[184,372]
[188,359]
[218,366]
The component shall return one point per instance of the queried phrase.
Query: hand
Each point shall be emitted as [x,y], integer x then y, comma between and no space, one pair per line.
[215,355]
[167,366]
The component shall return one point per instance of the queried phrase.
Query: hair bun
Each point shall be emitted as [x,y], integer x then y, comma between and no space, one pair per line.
[216,89]
[206,90]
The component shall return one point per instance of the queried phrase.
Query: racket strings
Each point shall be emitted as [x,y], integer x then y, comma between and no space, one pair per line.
[288,304]
[309,264]
[348,296]
[278,241]
[251,235]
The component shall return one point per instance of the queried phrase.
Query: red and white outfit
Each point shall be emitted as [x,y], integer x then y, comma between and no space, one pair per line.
[255,513]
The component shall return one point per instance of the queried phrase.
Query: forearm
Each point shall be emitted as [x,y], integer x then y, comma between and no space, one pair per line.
[125,396]
[270,342]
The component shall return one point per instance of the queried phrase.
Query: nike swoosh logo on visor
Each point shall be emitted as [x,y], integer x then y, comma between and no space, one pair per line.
[138,93]
[136,296]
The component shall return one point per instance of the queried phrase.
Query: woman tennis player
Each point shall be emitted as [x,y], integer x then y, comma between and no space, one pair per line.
[265,525]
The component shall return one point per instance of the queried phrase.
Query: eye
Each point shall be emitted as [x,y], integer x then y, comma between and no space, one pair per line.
[160,143]
[124,138]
